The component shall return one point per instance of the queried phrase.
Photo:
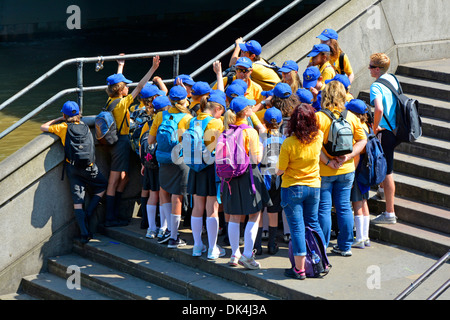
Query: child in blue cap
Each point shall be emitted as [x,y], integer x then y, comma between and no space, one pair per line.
[320,56]
[289,72]
[81,174]
[313,81]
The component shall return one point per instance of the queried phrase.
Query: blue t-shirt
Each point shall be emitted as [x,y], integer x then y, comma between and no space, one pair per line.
[388,99]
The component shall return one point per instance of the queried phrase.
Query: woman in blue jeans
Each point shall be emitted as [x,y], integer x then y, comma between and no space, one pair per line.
[300,188]
[338,173]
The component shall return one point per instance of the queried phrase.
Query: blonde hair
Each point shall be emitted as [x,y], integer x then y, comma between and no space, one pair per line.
[380,60]
[296,82]
[114,90]
[335,49]
[208,105]
[230,117]
[333,96]
[71,119]
[181,105]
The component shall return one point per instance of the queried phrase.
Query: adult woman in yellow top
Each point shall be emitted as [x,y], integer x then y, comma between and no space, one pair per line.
[337,173]
[173,177]
[300,188]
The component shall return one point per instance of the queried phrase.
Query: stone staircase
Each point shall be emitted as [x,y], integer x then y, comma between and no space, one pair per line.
[422,168]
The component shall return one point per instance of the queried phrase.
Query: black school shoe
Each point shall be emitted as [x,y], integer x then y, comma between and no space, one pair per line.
[290,273]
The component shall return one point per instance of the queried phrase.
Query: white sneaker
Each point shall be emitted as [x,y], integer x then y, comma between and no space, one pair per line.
[249,263]
[198,250]
[383,219]
[216,252]
[151,234]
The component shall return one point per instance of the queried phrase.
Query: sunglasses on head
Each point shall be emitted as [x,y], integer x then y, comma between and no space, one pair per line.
[242,70]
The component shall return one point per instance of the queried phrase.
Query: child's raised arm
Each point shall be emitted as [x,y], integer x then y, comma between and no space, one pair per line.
[45,126]
[217,67]
[144,80]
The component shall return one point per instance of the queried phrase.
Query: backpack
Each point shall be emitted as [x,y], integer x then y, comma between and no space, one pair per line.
[371,169]
[340,136]
[313,243]
[139,119]
[79,146]
[167,136]
[105,125]
[231,158]
[408,124]
[148,152]
[196,155]
[271,152]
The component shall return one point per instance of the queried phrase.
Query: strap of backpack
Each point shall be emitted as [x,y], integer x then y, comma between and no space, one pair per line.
[341,62]
[329,113]
[389,85]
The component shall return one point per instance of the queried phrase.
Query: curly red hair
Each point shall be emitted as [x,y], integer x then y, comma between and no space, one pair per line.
[303,123]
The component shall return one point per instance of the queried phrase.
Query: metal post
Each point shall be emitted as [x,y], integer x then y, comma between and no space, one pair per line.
[80,84]
[176,65]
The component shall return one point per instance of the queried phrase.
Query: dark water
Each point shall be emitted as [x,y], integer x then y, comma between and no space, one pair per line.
[24,61]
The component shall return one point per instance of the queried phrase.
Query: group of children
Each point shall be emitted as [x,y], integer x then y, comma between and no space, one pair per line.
[273,113]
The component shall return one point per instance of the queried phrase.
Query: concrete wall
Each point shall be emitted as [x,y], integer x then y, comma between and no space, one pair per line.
[406,30]
[36,212]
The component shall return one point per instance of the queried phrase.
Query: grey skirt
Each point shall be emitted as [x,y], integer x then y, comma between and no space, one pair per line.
[238,197]
[173,178]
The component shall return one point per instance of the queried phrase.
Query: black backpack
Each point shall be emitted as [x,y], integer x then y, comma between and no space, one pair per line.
[408,122]
[148,152]
[79,145]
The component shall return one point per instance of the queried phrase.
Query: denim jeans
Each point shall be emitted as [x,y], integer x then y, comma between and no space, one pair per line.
[336,190]
[300,204]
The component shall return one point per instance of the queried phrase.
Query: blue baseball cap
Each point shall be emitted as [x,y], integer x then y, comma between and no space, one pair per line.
[310,77]
[218,98]
[177,93]
[200,87]
[252,46]
[150,90]
[281,90]
[70,108]
[242,83]
[235,89]
[186,79]
[116,78]
[357,106]
[305,96]
[328,34]
[244,62]
[318,48]
[273,113]
[342,78]
[288,66]
[240,103]
[161,102]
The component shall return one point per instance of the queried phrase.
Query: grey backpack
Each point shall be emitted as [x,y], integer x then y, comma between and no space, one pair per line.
[340,137]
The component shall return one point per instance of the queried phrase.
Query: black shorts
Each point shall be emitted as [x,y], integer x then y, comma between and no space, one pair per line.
[79,179]
[388,143]
[120,154]
[150,180]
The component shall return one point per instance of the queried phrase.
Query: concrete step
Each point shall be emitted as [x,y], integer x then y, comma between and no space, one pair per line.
[17,296]
[423,87]
[427,147]
[172,275]
[414,212]
[436,128]
[423,190]
[437,70]
[108,281]
[47,286]
[421,167]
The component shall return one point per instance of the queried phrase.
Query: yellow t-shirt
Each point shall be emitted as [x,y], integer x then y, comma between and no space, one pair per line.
[300,162]
[324,123]
[347,66]
[266,77]
[182,125]
[327,71]
[60,130]
[253,90]
[120,111]
[252,144]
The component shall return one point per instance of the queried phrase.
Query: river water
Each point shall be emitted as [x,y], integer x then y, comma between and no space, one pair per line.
[24,61]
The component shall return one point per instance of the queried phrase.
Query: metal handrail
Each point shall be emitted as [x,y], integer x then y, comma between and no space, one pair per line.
[176,53]
[425,276]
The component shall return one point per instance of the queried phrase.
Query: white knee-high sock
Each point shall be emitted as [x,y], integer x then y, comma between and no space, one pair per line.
[366,224]
[359,228]
[196,227]
[174,224]
[251,230]
[233,236]
[151,216]
[212,227]
[167,211]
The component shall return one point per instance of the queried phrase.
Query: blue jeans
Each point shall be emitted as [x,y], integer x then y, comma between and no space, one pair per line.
[336,190]
[300,204]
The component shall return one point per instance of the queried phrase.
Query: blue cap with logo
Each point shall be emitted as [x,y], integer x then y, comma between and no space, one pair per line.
[273,113]
[70,108]
[177,93]
[328,34]
[150,90]
[305,96]
[244,62]
[342,78]
[288,66]
[281,90]
[116,78]
[357,106]
[310,77]
[318,48]
[200,88]
[252,46]
[161,102]
[185,78]
[240,103]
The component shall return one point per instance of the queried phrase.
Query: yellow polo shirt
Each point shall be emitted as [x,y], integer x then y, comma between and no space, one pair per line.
[300,162]
[347,66]
[121,110]
[252,144]
[327,71]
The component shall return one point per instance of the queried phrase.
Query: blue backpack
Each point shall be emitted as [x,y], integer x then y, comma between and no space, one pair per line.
[105,125]
[371,169]
[167,136]
[196,155]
